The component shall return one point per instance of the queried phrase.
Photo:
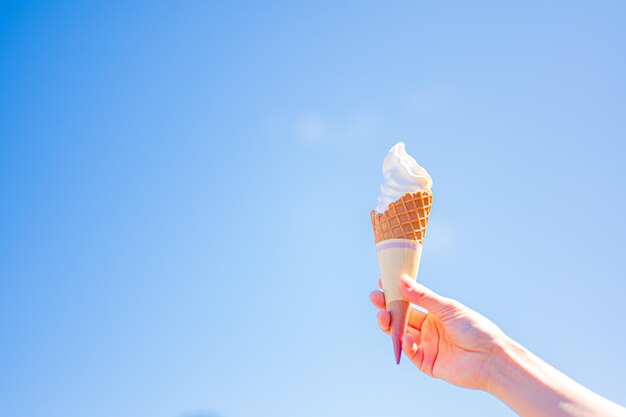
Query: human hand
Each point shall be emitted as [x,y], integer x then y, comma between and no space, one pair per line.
[451,341]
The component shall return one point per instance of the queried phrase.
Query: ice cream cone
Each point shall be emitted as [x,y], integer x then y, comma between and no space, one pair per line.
[399,233]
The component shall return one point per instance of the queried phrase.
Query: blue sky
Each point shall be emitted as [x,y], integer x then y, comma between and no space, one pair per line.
[185,191]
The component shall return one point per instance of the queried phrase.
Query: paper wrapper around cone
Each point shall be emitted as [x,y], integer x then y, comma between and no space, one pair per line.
[397,257]
[399,233]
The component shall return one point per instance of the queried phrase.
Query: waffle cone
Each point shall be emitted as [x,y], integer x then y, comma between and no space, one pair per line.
[405,218]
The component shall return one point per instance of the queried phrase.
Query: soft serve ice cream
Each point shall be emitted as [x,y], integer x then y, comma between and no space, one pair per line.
[401,175]
[399,224]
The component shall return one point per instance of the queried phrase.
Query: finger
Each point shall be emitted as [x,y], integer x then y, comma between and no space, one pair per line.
[384,320]
[378,299]
[380,283]
[409,345]
[416,317]
[423,297]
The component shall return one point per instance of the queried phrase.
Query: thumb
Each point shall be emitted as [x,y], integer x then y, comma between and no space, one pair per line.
[424,297]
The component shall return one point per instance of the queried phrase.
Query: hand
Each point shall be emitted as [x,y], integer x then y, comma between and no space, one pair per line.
[458,345]
[451,341]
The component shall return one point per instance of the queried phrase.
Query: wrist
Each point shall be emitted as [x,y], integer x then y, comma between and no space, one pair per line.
[508,364]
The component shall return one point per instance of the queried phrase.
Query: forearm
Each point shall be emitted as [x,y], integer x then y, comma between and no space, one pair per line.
[533,388]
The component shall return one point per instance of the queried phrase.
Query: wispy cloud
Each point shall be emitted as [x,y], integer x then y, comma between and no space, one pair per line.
[316,128]
[441,237]
[429,99]
[201,414]
[311,128]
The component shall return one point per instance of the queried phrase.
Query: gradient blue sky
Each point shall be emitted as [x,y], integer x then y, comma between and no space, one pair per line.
[185,191]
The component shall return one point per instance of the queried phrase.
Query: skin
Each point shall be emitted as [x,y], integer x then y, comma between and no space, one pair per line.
[456,344]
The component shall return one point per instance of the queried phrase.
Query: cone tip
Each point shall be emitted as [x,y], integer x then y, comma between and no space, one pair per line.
[397,347]
[399,311]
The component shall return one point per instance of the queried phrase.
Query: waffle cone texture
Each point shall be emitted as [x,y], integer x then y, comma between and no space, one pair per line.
[405,218]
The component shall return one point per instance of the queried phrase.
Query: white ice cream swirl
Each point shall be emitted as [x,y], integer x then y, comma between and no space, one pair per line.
[401,175]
